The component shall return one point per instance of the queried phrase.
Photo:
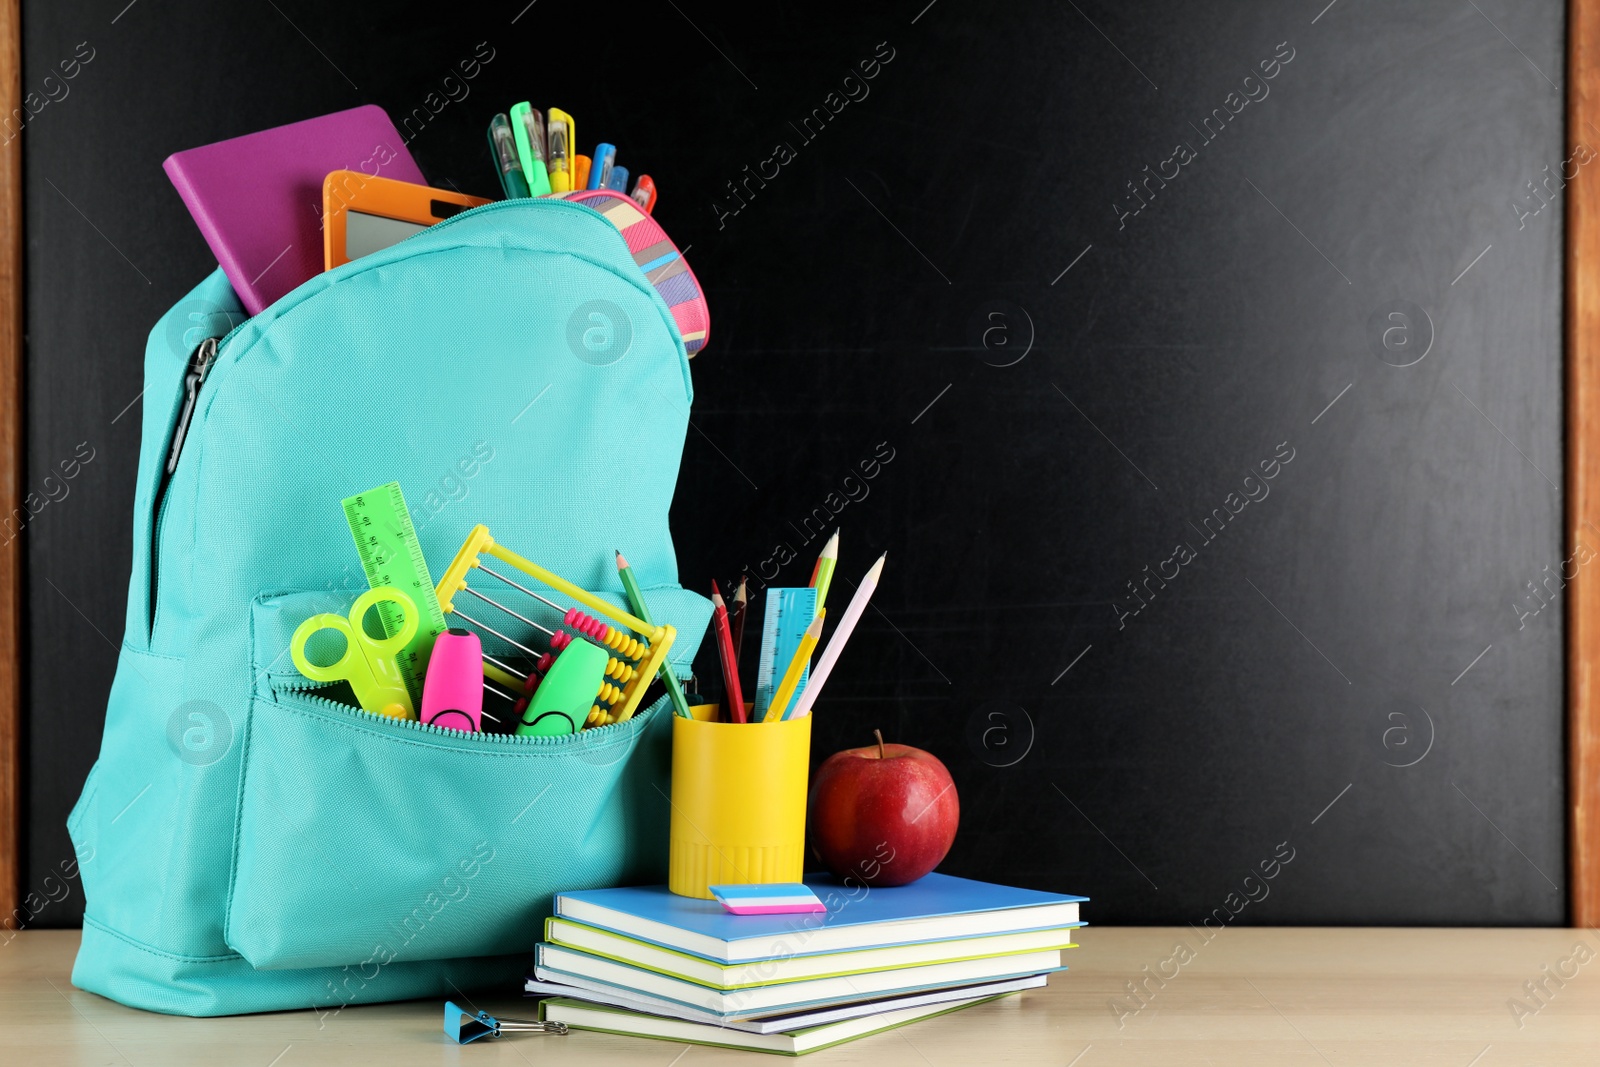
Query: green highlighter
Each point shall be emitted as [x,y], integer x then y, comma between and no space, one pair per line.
[561,703]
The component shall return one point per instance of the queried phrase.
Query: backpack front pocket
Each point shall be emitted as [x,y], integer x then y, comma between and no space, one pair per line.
[362,838]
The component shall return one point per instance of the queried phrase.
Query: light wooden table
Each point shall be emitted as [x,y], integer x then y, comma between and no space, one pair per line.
[1339,997]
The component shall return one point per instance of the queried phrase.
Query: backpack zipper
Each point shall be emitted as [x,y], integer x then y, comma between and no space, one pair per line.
[200,363]
[205,354]
[310,699]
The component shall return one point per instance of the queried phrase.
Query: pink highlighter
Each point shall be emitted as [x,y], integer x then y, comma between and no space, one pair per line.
[452,692]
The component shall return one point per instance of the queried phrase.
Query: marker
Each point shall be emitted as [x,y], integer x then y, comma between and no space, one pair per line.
[630,585]
[503,147]
[452,693]
[563,700]
[600,171]
[644,193]
[563,135]
[527,127]
[730,668]
[618,182]
[841,634]
[791,677]
[581,166]
[822,573]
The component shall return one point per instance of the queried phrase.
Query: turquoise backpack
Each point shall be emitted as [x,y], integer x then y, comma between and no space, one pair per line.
[247,844]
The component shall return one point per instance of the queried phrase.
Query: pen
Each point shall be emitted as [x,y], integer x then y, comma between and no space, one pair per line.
[600,169]
[618,181]
[791,677]
[730,669]
[630,585]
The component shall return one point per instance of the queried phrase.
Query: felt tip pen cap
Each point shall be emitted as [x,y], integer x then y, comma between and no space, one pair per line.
[527,126]
[504,146]
[561,141]
[532,121]
[600,169]
[556,162]
[618,181]
[644,193]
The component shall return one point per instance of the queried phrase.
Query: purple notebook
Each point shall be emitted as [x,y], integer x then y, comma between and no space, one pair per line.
[258,198]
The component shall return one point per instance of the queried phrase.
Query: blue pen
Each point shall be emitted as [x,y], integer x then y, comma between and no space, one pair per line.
[600,170]
[618,179]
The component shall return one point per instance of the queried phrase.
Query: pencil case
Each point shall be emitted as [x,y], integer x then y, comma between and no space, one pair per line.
[247,843]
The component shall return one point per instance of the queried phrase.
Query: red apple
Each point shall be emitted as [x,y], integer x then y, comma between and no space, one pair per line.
[884,815]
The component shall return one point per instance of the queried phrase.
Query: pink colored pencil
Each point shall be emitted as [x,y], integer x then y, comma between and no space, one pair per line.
[841,634]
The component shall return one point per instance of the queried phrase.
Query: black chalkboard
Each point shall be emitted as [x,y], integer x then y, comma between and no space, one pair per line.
[1198,366]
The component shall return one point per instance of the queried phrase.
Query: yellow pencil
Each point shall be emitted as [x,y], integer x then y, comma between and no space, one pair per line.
[791,677]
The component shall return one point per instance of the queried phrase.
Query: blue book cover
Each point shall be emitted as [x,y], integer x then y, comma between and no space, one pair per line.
[935,907]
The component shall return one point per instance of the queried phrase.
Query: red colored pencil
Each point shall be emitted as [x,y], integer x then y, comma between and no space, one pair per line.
[730,666]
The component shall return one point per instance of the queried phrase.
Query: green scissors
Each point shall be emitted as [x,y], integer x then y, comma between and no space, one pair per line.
[370,666]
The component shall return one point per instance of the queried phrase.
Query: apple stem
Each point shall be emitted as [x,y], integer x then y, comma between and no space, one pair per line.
[881,753]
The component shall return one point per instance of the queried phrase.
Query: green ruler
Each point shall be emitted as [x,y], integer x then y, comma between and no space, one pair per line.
[390,555]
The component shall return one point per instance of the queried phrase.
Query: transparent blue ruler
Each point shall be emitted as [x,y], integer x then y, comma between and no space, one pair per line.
[788,613]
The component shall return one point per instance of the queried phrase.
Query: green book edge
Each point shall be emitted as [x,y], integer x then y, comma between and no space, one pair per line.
[624,1013]
[549,934]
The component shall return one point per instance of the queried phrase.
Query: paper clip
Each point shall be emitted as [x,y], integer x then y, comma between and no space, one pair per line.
[464,1026]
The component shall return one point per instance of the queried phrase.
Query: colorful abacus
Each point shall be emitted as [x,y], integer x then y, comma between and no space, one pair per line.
[632,639]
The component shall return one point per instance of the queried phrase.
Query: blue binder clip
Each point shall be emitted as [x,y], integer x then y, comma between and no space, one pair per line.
[465,1027]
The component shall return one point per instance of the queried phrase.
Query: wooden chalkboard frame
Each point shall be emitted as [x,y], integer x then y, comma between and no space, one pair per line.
[1582,334]
[11,464]
[1582,312]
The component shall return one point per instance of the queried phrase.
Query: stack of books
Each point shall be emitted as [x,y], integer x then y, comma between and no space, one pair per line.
[647,963]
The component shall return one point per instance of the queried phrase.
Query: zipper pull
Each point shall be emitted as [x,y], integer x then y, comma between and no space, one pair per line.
[205,354]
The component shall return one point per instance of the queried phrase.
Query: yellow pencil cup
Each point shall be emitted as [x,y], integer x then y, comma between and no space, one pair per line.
[738,803]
